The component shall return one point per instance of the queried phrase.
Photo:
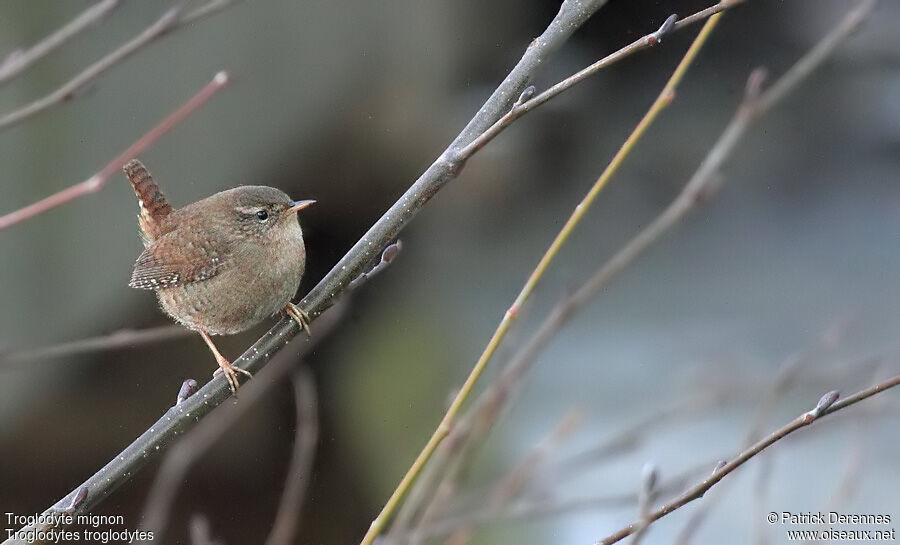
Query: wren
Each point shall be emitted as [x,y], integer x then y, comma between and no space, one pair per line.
[222,264]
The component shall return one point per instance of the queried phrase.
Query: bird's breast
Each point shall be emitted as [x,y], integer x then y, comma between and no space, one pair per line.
[258,280]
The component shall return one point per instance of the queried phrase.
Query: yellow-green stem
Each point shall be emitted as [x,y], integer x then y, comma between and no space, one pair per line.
[663,100]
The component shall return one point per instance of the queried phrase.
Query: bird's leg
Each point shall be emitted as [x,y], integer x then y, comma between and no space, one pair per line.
[225,366]
[299,316]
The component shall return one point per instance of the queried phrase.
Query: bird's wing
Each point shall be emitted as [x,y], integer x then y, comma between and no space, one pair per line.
[170,262]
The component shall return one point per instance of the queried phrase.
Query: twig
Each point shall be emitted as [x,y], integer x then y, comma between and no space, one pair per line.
[571,16]
[387,257]
[19,61]
[97,181]
[631,436]
[170,21]
[646,494]
[128,338]
[785,377]
[123,338]
[201,531]
[828,404]
[469,431]
[510,486]
[848,484]
[664,99]
[300,469]
[526,103]
[531,509]
[185,453]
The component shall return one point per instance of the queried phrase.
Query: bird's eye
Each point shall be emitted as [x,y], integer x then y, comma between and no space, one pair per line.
[262,215]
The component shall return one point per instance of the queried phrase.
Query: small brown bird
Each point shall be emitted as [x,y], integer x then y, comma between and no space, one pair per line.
[222,264]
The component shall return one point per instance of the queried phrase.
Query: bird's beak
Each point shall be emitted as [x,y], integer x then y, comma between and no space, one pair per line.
[296,206]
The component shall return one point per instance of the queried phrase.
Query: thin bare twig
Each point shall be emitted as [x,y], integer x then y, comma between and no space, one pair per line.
[787,373]
[534,508]
[97,181]
[129,338]
[19,61]
[828,404]
[526,103]
[849,482]
[510,486]
[171,20]
[646,494]
[458,447]
[531,508]
[300,469]
[201,531]
[123,338]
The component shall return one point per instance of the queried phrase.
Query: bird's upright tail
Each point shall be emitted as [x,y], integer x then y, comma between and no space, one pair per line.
[154,205]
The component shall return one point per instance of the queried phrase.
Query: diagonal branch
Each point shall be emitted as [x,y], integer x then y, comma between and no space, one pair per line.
[21,60]
[671,24]
[486,125]
[171,20]
[178,419]
[825,406]
[178,461]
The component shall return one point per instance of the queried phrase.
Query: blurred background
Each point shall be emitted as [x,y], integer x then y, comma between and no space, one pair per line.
[346,103]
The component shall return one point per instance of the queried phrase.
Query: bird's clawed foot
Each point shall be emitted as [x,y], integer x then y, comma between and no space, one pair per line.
[231,371]
[299,316]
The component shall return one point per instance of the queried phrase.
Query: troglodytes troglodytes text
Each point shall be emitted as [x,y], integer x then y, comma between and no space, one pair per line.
[222,264]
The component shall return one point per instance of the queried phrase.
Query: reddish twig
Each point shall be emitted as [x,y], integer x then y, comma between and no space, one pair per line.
[97,181]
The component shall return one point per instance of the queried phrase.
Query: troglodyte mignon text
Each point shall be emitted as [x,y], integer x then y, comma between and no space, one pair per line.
[222,264]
